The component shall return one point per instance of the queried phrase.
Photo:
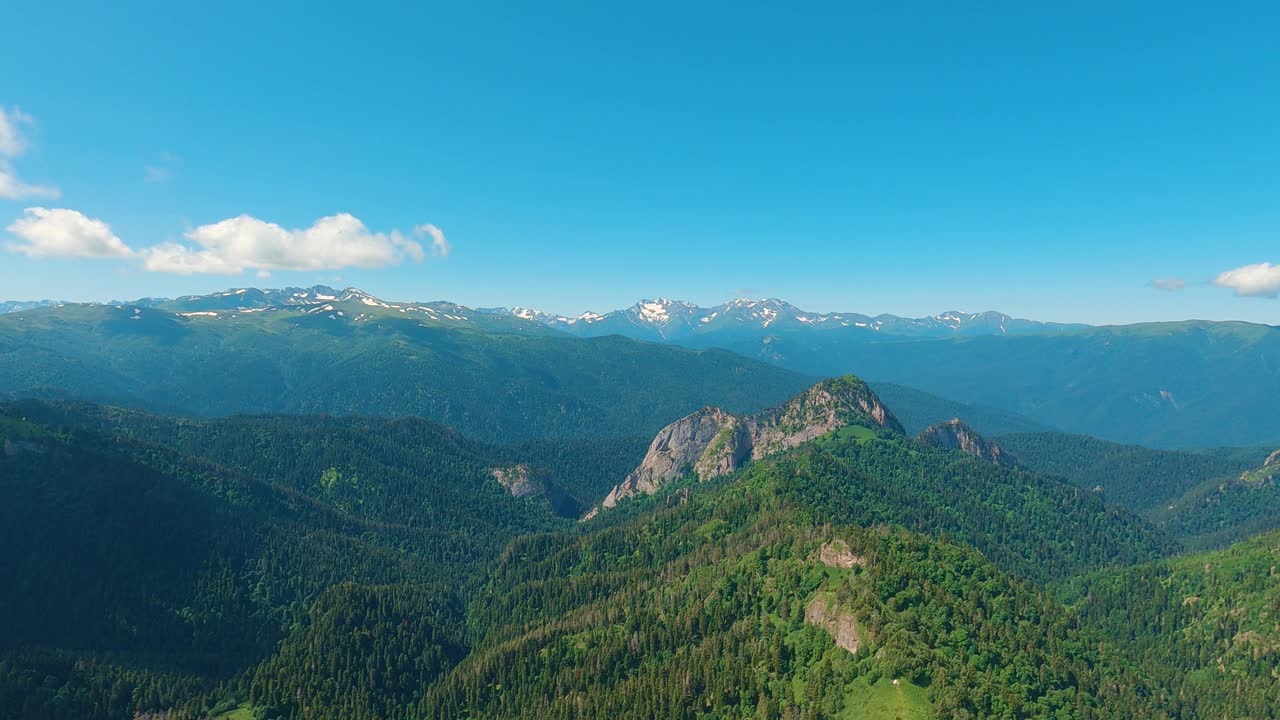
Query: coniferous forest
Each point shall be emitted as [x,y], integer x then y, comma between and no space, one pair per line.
[356,567]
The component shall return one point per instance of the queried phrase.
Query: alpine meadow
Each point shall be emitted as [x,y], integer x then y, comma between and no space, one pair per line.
[578,362]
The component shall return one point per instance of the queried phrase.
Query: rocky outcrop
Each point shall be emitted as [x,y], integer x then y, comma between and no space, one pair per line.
[954,434]
[837,554]
[711,442]
[519,480]
[1270,470]
[838,623]
[827,406]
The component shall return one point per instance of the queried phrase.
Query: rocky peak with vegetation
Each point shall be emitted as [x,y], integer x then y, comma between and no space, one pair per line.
[711,442]
[955,434]
[1269,470]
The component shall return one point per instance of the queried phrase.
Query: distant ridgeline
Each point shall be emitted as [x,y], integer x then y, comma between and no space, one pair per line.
[1185,384]
[345,352]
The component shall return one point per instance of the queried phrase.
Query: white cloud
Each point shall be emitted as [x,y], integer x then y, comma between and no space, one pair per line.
[440,246]
[58,232]
[13,143]
[236,244]
[12,188]
[1172,284]
[1258,280]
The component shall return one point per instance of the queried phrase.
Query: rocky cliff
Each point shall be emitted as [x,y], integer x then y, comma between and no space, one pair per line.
[954,434]
[519,480]
[712,442]
[1269,471]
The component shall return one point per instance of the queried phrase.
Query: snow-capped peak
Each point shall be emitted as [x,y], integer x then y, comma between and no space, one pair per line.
[654,312]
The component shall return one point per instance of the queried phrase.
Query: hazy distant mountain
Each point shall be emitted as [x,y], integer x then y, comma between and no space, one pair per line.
[1179,384]
[319,350]
[676,320]
[8,306]
[658,320]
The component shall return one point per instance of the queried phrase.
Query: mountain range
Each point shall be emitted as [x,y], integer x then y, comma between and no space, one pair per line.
[658,320]
[1179,384]
[679,321]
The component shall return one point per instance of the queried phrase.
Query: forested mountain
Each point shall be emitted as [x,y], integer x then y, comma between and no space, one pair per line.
[749,600]
[1136,477]
[147,577]
[1189,384]
[228,562]
[327,567]
[159,558]
[1186,384]
[956,434]
[1204,498]
[351,357]
[742,605]
[712,442]
[1173,384]
[1203,627]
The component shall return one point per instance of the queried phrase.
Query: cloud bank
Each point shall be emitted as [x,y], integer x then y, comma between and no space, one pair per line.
[229,247]
[1257,280]
[241,243]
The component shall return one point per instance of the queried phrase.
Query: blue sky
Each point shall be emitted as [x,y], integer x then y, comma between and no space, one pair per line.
[873,157]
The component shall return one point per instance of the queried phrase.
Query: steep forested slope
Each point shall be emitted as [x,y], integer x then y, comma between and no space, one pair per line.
[1136,477]
[1203,626]
[1204,498]
[325,568]
[730,603]
[142,578]
[320,567]
[386,469]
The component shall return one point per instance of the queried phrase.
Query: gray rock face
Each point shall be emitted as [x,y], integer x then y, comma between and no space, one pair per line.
[836,553]
[711,442]
[954,434]
[839,623]
[518,480]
